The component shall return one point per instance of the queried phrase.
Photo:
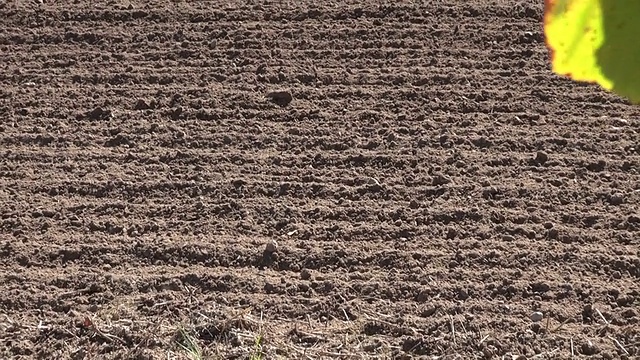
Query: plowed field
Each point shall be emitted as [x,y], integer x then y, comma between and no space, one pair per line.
[430,188]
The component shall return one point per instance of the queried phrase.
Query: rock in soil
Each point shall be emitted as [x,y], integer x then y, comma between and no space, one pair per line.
[537,316]
[271,246]
[282,98]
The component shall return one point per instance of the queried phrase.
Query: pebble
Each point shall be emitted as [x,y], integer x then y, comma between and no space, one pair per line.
[508,238]
[440,179]
[629,313]
[616,199]
[141,104]
[305,274]
[589,349]
[537,316]
[462,294]
[541,157]
[271,247]
[282,98]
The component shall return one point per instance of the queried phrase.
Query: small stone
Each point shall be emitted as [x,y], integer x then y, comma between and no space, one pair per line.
[305,274]
[481,142]
[541,157]
[270,288]
[175,113]
[99,114]
[238,183]
[598,166]
[141,104]
[567,287]
[616,199]
[588,348]
[490,192]
[540,287]
[625,300]
[508,238]
[282,98]
[537,316]
[629,313]
[391,137]
[440,179]
[271,247]
[423,296]
[429,311]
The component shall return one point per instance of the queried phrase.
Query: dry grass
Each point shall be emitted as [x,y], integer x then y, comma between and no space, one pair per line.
[189,344]
[223,332]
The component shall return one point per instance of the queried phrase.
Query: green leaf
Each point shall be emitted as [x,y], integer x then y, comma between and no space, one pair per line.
[596,41]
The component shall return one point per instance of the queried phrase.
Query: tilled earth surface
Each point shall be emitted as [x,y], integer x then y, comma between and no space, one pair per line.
[430,184]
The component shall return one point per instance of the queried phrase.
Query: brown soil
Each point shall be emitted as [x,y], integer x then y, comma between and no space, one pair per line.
[429,182]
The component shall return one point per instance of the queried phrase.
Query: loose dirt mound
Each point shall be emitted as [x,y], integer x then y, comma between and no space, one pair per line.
[429,183]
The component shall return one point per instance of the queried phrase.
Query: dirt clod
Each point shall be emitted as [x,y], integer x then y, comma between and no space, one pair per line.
[99,114]
[541,157]
[440,179]
[588,348]
[282,98]
[305,274]
[142,104]
[616,199]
